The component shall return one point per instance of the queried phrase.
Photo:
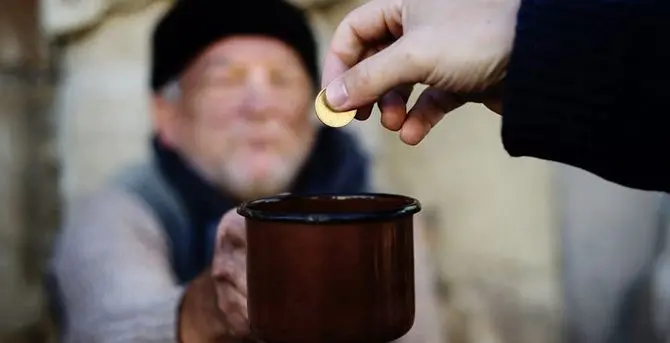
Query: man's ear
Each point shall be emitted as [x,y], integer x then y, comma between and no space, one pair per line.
[163,116]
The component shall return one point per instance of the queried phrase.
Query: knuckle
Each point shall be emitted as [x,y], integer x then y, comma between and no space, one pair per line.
[223,269]
[231,219]
[420,60]
[219,273]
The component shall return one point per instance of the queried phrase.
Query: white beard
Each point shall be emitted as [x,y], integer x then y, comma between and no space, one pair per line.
[249,174]
[238,177]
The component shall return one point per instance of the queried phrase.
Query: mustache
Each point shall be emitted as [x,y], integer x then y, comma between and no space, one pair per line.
[269,129]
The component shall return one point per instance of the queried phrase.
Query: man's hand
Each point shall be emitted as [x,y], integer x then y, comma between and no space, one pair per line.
[382,49]
[230,274]
[214,306]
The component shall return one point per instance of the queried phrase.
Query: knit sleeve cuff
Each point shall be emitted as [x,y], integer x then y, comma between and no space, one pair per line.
[623,165]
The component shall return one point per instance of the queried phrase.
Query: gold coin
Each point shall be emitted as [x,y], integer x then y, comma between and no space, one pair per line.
[328,116]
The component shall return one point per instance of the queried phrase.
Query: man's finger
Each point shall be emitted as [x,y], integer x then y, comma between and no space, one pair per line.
[237,236]
[232,230]
[429,109]
[372,77]
[357,32]
[393,111]
[231,269]
[240,275]
[230,299]
[363,113]
[230,219]
[393,107]
[233,306]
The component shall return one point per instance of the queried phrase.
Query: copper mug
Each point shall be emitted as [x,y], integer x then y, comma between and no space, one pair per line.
[330,268]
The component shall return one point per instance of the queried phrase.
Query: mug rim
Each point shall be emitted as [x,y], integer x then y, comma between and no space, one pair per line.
[410,207]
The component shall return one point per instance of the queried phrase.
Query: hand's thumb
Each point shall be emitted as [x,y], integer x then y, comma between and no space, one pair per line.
[398,64]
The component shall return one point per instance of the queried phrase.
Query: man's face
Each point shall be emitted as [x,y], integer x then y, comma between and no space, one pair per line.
[242,116]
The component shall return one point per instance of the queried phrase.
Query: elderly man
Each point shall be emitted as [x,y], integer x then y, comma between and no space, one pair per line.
[233,84]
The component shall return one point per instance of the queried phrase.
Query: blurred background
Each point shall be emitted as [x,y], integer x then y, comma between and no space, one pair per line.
[525,250]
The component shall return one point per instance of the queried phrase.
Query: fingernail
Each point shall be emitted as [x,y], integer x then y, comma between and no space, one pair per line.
[336,94]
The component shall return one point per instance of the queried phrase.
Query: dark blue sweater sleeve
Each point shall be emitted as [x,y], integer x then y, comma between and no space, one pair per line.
[588,86]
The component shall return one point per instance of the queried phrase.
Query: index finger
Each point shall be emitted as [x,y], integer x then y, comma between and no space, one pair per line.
[359,31]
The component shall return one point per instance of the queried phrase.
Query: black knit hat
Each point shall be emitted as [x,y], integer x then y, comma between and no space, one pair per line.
[191,26]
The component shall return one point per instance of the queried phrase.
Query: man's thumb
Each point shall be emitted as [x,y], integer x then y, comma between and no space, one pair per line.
[372,77]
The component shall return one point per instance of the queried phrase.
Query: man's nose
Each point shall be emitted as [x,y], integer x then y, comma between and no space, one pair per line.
[257,96]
